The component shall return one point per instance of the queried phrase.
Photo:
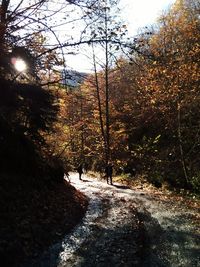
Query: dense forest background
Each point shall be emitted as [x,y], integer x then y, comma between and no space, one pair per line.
[154,103]
[139,111]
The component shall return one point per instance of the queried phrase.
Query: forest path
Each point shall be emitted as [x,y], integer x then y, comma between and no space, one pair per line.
[127,227]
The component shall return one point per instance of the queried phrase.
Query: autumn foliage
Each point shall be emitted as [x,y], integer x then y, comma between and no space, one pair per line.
[154,105]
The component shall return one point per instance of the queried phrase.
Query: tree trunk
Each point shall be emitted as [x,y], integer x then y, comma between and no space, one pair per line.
[99,103]
[107,91]
[180,144]
[3,20]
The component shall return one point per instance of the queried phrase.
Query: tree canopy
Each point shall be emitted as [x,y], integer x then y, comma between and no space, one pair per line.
[140,112]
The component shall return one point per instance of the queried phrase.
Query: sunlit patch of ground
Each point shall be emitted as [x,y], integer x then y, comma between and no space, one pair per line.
[128,227]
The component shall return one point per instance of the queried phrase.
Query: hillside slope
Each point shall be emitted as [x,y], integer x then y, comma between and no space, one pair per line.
[35,215]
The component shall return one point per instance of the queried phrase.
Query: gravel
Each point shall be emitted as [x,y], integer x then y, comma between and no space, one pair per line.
[126,227]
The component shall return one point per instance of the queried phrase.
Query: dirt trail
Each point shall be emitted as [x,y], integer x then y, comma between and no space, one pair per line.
[125,227]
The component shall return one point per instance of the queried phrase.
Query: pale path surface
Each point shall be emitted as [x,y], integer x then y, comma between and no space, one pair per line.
[113,233]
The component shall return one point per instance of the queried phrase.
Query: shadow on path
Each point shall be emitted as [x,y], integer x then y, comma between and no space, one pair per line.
[121,186]
[125,228]
[84,180]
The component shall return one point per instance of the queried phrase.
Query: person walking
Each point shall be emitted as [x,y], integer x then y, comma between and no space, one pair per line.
[80,171]
[66,176]
[109,172]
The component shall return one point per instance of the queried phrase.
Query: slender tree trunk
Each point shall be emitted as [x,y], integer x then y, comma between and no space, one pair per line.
[71,124]
[82,127]
[107,91]
[99,102]
[180,144]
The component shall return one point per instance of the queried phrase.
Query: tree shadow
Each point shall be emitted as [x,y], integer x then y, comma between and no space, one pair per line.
[148,245]
[121,186]
[84,180]
[164,247]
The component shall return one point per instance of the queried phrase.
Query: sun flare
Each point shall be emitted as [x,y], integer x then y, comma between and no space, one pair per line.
[20,65]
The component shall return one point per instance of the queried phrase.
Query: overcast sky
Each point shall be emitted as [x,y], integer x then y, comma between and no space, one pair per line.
[136,14]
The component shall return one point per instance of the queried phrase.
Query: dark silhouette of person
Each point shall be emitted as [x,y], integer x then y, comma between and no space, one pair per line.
[109,172]
[67,176]
[80,171]
[86,167]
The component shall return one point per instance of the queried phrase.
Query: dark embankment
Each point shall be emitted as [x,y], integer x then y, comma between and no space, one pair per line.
[35,215]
